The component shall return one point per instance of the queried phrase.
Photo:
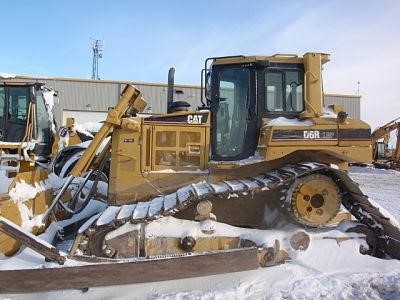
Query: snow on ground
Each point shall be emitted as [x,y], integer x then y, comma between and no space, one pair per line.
[381,185]
[327,270]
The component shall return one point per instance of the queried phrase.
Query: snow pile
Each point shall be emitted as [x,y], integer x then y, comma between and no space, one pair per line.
[23,191]
[282,121]
[20,194]
[172,227]
[90,127]
[27,258]
[49,99]
[93,208]
[327,270]
[328,113]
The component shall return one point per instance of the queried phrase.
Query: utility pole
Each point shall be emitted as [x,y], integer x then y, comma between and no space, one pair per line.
[97,46]
[358,88]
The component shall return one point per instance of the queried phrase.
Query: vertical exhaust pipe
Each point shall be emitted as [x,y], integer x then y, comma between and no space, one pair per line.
[170,93]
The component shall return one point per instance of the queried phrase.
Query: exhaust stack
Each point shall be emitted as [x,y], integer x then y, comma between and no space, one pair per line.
[170,93]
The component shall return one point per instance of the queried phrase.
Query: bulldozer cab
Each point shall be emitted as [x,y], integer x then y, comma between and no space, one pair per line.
[24,116]
[242,91]
[234,120]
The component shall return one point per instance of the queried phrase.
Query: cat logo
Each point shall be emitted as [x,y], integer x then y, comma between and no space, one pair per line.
[194,119]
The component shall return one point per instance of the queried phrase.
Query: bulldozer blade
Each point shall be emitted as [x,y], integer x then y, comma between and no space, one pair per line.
[31,241]
[116,272]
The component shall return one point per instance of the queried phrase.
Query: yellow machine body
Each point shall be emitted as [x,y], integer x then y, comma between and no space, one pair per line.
[274,122]
[160,153]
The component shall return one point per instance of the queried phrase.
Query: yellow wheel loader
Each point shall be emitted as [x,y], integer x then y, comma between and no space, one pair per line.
[27,126]
[29,140]
[260,154]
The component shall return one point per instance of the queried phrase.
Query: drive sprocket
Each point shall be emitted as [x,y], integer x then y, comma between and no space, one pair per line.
[314,200]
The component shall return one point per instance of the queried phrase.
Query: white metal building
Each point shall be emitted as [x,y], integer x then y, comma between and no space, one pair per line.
[88,100]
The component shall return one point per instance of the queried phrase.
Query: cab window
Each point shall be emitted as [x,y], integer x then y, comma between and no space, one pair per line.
[18,104]
[284,90]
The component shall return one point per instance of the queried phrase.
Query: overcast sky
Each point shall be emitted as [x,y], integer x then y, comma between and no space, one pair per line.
[143,39]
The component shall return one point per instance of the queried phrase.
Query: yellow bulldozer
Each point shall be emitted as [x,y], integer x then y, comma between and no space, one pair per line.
[261,149]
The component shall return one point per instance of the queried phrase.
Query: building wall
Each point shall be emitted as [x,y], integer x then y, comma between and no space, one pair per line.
[351,104]
[99,95]
[83,116]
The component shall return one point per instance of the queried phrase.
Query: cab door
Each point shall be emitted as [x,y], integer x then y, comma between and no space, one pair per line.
[16,112]
[234,119]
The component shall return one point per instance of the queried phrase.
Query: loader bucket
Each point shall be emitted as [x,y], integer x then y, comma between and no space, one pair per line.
[9,209]
[21,212]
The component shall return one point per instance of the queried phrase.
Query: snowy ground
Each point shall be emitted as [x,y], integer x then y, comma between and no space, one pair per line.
[327,270]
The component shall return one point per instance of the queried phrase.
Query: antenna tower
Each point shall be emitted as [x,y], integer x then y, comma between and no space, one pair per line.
[97,47]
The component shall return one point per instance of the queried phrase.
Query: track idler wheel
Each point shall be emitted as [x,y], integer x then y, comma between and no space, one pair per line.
[314,200]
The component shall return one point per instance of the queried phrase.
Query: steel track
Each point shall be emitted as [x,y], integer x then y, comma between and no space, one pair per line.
[386,232]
